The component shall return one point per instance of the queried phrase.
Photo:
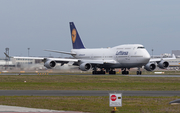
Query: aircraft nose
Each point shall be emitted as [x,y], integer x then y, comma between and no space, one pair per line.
[147,56]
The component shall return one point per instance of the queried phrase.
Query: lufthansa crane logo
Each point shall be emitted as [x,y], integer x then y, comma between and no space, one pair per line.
[74,35]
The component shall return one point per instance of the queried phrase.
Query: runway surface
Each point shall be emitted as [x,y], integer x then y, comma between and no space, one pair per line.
[15,109]
[86,74]
[84,93]
[153,75]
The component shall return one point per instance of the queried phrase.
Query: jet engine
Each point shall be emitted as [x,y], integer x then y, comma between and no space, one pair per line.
[163,64]
[85,66]
[150,66]
[50,64]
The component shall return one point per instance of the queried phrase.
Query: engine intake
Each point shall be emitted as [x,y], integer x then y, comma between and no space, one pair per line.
[85,66]
[150,66]
[163,64]
[50,64]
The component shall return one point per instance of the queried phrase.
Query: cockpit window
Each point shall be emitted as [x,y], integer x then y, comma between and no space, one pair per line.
[140,47]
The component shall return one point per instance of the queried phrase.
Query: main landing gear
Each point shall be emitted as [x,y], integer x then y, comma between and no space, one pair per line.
[95,72]
[124,72]
[111,72]
[98,72]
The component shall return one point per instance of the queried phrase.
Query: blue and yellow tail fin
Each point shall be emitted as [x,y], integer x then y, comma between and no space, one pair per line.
[76,40]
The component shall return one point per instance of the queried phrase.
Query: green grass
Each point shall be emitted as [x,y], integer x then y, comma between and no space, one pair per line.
[87,82]
[94,104]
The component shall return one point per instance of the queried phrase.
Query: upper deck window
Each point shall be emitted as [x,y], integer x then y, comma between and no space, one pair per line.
[140,47]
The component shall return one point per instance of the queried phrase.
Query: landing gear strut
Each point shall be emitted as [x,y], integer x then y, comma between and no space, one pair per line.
[139,71]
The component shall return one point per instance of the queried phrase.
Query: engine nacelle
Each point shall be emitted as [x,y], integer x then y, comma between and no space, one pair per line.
[150,66]
[163,64]
[85,66]
[50,64]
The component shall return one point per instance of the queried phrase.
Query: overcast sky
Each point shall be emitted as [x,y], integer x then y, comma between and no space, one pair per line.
[44,24]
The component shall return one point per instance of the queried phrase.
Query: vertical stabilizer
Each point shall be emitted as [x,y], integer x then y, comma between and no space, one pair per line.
[76,40]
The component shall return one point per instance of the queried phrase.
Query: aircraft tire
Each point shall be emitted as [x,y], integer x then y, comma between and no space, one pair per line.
[98,72]
[102,72]
[125,72]
[139,72]
[112,72]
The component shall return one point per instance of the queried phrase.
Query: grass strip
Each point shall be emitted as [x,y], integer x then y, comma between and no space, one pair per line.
[94,104]
[84,82]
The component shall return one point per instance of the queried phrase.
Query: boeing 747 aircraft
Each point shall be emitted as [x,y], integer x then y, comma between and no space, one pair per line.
[102,60]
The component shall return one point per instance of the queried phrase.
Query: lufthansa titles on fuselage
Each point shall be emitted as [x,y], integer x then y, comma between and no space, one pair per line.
[122,53]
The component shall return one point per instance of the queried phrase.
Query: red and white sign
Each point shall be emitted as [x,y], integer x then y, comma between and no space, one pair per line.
[115,99]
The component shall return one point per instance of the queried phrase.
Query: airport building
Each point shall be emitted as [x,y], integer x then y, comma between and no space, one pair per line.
[5,62]
[22,63]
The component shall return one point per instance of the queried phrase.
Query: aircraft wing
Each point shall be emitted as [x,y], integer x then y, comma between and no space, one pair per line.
[38,58]
[159,59]
[99,61]
[70,53]
[62,60]
[58,60]
[66,60]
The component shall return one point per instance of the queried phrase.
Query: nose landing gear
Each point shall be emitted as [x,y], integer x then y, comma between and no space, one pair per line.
[139,71]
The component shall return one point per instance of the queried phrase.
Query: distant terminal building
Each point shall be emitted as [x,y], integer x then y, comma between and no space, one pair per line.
[5,63]
[22,63]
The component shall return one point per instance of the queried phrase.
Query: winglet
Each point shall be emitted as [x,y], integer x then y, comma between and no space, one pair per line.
[173,56]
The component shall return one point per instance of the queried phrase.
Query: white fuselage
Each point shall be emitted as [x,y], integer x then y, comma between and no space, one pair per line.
[125,56]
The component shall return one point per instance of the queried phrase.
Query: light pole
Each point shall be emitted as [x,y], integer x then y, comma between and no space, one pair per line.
[28,56]
[152,53]
[28,51]
[7,58]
